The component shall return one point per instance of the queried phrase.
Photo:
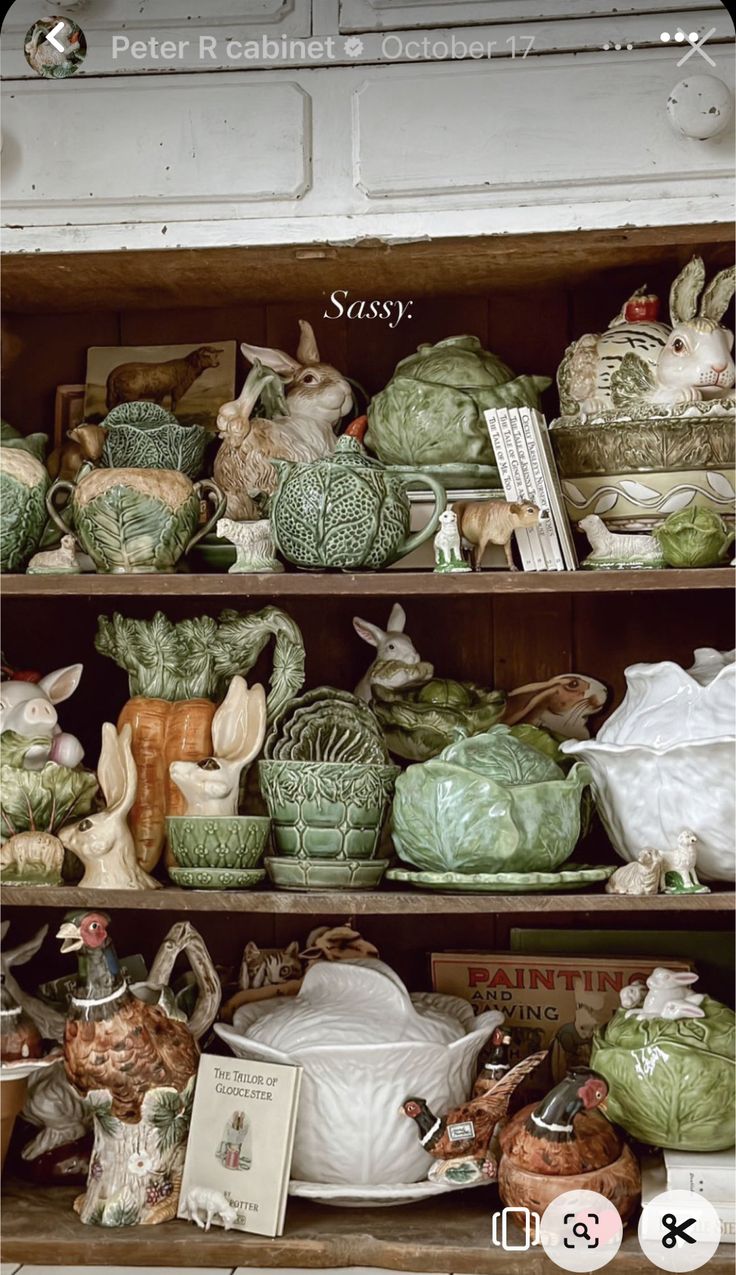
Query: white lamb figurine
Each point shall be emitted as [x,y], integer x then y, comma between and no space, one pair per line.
[205,1206]
[669,996]
[613,549]
[682,861]
[642,876]
[448,554]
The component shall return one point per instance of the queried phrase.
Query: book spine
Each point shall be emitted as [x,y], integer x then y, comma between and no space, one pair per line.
[717,1187]
[536,488]
[507,471]
[527,537]
[540,430]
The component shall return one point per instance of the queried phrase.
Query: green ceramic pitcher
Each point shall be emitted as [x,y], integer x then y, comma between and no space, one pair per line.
[347,511]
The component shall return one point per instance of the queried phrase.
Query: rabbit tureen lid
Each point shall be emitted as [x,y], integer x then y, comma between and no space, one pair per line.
[348,1003]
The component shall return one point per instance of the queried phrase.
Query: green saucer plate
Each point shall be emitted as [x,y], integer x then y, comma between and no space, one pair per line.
[325,874]
[217,878]
[455,476]
[501,882]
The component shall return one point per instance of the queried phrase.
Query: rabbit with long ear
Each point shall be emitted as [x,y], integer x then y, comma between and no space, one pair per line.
[392,645]
[302,425]
[238,729]
[104,842]
[696,362]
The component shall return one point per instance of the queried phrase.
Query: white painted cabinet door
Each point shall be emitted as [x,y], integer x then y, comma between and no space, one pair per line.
[159,148]
[396,15]
[182,21]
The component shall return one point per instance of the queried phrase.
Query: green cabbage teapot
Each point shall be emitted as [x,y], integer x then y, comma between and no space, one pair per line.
[347,511]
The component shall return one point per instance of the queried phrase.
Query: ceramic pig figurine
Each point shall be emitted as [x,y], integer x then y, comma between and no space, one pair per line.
[29,709]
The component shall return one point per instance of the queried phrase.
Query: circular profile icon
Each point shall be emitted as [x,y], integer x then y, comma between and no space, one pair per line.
[581,1231]
[55,47]
[679,1231]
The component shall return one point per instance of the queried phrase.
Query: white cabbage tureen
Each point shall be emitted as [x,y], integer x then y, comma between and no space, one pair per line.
[364,1045]
[664,761]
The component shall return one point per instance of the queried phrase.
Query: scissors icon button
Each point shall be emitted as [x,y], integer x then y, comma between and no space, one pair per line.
[676,1231]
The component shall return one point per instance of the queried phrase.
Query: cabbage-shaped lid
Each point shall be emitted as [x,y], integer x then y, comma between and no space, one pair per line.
[499,755]
[347,1003]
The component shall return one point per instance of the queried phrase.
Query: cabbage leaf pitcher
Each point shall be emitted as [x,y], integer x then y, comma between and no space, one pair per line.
[347,511]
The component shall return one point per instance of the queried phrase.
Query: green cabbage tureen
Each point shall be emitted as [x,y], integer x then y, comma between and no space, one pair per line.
[671,1082]
[431,411]
[490,803]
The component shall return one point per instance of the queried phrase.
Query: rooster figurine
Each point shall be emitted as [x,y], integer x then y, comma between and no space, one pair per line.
[564,1144]
[136,1067]
[460,1140]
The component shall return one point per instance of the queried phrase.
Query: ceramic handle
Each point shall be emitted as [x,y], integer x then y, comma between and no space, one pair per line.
[208,490]
[440,504]
[61,484]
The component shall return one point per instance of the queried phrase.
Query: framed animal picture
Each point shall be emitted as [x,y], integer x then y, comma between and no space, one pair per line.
[192,381]
[68,410]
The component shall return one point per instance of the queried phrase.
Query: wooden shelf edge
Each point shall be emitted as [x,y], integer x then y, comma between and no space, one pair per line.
[451,1233]
[359,903]
[370,584]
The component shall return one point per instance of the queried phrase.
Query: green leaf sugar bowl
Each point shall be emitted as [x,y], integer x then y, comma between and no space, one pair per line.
[347,511]
[135,520]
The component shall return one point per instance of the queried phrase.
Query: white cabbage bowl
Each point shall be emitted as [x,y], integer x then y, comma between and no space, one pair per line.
[365,1046]
[664,761]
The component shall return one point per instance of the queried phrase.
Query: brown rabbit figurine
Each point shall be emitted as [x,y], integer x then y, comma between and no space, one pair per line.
[317,397]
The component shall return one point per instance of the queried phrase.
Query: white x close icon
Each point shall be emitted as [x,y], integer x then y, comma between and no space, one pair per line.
[697,47]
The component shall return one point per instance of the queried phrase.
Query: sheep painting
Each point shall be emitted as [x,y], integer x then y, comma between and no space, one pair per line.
[189,380]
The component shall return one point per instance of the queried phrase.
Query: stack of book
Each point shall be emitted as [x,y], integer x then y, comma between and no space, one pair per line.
[526,466]
[710,1174]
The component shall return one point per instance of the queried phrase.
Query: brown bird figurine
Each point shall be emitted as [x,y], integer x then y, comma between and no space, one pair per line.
[460,1140]
[137,1066]
[496,1065]
[563,1144]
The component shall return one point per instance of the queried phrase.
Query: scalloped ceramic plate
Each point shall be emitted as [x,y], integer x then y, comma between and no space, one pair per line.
[354,1197]
[217,878]
[501,882]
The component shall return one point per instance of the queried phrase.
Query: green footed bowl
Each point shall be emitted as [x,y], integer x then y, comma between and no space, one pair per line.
[224,841]
[327,810]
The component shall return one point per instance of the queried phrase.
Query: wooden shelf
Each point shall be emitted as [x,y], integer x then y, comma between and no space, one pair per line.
[361,903]
[179,277]
[451,1233]
[371,584]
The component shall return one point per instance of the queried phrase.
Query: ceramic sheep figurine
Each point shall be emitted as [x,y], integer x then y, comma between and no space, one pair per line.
[205,1206]
[614,551]
[640,877]
[448,553]
[640,360]
[678,867]
[255,551]
[397,661]
[211,786]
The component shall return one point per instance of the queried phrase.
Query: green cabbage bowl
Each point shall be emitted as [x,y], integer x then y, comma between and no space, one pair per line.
[490,803]
[671,1083]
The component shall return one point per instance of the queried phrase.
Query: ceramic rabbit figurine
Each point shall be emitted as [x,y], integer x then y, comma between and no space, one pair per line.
[302,428]
[397,661]
[104,842]
[640,360]
[211,786]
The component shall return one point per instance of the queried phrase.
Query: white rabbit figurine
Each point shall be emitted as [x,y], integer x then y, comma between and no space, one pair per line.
[640,361]
[104,842]
[302,428]
[238,729]
[669,996]
[397,661]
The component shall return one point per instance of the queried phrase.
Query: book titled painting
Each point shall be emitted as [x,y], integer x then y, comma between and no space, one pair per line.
[240,1145]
